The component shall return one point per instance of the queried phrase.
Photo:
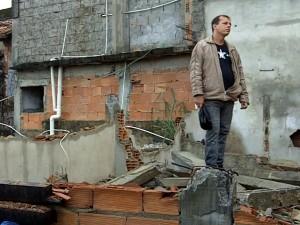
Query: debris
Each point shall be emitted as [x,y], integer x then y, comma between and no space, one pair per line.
[175,181]
[138,176]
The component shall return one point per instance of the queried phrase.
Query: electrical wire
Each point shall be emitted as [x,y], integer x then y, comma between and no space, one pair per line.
[6,98]
[67,133]
[3,124]
[149,132]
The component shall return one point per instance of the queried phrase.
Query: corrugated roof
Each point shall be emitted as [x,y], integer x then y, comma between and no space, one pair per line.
[5,28]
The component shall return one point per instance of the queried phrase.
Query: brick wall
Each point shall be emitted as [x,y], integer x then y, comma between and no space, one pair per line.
[116,205]
[152,91]
[83,99]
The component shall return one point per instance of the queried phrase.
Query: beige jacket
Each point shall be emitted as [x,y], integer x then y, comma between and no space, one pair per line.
[206,75]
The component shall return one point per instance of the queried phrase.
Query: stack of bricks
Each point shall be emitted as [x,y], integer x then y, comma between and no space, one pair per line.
[115,205]
[133,155]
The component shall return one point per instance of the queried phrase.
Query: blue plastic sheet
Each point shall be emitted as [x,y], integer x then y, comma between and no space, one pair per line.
[8,223]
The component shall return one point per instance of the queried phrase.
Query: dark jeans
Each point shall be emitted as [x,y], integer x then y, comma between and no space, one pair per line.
[221,115]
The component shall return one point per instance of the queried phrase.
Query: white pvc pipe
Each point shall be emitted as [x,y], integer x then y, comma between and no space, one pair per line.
[66,30]
[154,7]
[106,27]
[53,89]
[59,96]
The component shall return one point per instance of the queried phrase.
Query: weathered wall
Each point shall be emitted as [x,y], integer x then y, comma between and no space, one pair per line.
[46,29]
[265,38]
[266,47]
[93,156]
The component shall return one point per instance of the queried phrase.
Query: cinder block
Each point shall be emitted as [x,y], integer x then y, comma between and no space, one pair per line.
[160,202]
[149,221]
[97,219]
[118,198]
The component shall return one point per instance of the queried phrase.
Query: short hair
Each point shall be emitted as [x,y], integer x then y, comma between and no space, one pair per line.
[216,21]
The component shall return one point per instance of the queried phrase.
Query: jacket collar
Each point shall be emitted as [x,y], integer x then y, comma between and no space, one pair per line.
[209,40]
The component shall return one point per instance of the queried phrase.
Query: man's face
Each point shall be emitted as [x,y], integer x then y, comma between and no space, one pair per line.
[224,26]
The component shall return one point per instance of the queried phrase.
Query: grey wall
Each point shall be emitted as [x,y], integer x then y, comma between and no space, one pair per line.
[93,156]
[39,31]
[265,33]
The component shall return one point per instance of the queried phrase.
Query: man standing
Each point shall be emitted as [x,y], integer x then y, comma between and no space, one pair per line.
[217,80]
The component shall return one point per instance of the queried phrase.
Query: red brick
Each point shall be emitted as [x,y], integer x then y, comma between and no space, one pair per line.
[92,116]
[166,78]
[118,198]
[72,81]
[78,116]
[106,90]
[106,81]
[149,221]
[65,217]
[141,116]
[160,202]
[35,117]
[149,88]
[87,91]
[81,197]
[99,219]
[96,107]
[69,100]
[86,82]
[137,89]
[25,116]
[77,91]
[147,79]
[101,115]
[68,91]
[160,88]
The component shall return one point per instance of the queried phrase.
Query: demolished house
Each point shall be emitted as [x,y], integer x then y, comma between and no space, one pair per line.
[104,125]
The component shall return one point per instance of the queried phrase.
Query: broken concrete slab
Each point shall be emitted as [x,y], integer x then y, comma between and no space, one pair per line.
[186,160]
[208,199]
[175,181]
[138,176]
[262,183]
[263,199]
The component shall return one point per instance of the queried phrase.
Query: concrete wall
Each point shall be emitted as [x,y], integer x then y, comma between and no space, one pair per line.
[265,34]
[93,156]
[47,29]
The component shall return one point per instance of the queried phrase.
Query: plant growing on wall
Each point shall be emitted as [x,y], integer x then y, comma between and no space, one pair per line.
[167,125]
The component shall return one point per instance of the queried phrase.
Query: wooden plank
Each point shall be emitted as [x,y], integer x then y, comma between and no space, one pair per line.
[24,191]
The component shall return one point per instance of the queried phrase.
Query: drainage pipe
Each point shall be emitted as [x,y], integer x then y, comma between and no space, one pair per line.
[56,107]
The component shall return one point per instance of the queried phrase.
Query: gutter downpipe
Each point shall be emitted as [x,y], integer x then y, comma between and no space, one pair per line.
[56,107]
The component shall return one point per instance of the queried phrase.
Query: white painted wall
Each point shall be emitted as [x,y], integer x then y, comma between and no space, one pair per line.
[266,34]
[92,156]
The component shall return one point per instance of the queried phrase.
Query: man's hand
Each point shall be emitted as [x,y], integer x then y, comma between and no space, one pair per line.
[199,100]
[244,105]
